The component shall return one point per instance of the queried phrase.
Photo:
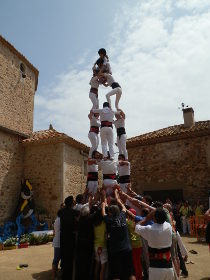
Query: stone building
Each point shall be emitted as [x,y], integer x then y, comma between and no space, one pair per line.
[173,162]
[52,161]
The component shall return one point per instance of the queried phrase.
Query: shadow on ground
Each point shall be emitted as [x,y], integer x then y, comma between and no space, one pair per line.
[205,278]
[198,242]
[43,275]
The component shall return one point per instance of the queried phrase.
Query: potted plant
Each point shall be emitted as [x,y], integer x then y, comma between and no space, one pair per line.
[32,239]
[24,241]
[10,243]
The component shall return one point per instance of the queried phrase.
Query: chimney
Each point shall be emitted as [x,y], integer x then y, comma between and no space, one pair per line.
[188,114]
[50,127]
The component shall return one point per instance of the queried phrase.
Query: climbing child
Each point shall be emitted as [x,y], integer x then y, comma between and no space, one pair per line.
[103,61]
[93,95]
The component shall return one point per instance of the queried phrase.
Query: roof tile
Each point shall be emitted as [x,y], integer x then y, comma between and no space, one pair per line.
[170,133]
[53,136]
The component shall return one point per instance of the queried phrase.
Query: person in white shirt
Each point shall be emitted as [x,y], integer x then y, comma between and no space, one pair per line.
[106,118]
[92,177]
[159,237]
[80,203]
[93,94]
[123,172]
[108,80]
[103,62]
[109,170]
[93,132]
[56,245]
[121,134]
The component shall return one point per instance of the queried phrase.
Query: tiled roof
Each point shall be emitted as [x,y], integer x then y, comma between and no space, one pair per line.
[51,136]
[21,57]
[171,133]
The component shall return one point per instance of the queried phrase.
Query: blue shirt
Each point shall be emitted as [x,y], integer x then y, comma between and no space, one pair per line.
[140,218]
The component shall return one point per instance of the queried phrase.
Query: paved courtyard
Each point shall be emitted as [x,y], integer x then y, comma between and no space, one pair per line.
[39,260]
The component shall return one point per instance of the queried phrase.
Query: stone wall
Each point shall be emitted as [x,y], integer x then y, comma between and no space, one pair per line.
[43,166]
[11,174]
[55,172]
[16,93]
[182,164]
[74,171]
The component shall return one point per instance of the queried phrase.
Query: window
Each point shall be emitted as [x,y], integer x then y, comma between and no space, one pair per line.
[23,70]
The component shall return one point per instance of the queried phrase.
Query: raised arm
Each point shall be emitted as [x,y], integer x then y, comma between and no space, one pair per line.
[138,203]
[123,162]
[119,201]
[130,214]
[91,161]
[148,218]
[131,192]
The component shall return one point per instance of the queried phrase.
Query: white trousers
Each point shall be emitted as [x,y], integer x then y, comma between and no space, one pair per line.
[108,184]
[94,140]
[161,273]
[94,100]
[121,144]
[116,91]
[107,139]
[92,186]
[123,187]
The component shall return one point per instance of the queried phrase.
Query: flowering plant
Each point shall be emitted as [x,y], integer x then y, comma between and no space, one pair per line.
[12,241]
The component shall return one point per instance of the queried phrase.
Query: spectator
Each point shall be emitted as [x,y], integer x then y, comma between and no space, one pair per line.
[67,238]
[159,237]
[119,248]
[198,209]
[56,245]
[185,212]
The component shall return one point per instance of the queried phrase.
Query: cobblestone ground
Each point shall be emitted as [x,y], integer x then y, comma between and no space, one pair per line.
[39,260]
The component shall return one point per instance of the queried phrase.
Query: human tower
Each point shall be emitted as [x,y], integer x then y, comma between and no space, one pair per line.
[102,120]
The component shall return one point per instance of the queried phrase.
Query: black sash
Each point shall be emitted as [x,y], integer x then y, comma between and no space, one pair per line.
[94,129]
[124,179]
[115,85]
[120,131]
[160,258]
[106,124]
[92,176]
[109,176]
[95,91]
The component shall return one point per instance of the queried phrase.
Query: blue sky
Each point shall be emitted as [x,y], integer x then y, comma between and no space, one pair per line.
[53,34]
[159,53]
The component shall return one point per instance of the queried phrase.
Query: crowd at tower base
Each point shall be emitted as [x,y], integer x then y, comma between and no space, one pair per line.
[112,232]
[124,236]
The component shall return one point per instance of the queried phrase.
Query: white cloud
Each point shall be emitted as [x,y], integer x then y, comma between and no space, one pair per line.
[196,5]
[160,59]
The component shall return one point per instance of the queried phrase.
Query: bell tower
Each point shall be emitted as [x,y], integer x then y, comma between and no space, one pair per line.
[18,83]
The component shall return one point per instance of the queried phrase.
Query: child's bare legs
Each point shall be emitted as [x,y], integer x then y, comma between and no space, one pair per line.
[94,100]
[118,95]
